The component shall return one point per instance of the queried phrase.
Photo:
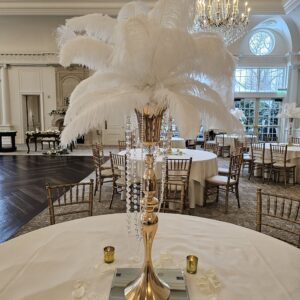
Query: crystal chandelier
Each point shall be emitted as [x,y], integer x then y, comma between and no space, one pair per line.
[222,16]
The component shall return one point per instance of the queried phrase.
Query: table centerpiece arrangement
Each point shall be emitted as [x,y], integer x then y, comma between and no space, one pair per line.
[147,61]
[291,112]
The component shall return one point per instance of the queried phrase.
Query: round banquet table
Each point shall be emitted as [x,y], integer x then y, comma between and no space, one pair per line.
[204,165]
[293,154]
[47,263]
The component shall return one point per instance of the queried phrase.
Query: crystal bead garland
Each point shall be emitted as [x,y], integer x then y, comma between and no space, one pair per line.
[164,137]
[128,174]
[135,191]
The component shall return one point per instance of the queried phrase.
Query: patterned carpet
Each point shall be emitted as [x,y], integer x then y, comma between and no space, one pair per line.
[245,216]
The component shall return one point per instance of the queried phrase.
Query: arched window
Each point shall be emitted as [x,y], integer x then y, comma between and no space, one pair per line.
[262,42]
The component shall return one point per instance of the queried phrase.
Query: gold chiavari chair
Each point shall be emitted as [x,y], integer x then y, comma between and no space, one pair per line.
[103,172]
[280,164]
[122,145]
[191,144]
[240,148]
[176,185]
[67,199]
[296,141]
[259,161]
[211,147]
[118,168]
[229,183]
[280,215]
[223,148]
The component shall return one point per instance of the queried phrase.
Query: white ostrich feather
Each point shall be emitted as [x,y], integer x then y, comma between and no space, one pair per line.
[238,113]
[153,59]
[133,9]
[74,51]
[174,13]
[94,25]
[289,110]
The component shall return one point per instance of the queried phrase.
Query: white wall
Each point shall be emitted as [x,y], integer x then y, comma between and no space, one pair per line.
[28,33]
[31,81]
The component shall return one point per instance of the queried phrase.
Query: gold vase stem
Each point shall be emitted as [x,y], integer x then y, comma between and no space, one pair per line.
[148,286]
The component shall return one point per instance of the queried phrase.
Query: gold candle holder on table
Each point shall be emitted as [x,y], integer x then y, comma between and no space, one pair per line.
[148,286]
[109,254]
[191,264]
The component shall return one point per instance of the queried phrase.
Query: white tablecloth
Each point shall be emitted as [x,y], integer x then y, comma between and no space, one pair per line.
[204,165]
[46,264]
[293,155]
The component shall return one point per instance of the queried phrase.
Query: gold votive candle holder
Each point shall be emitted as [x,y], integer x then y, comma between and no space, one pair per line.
[109,254]
[191,264]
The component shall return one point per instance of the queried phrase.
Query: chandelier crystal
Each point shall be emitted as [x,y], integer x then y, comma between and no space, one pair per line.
[226,17]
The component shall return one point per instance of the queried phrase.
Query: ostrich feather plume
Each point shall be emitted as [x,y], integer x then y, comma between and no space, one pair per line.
[289,110]
[147,56]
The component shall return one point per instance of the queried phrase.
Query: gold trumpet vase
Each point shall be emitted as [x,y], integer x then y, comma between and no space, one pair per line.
[148,286]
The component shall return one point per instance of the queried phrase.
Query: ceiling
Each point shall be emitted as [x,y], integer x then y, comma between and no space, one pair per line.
[79,7]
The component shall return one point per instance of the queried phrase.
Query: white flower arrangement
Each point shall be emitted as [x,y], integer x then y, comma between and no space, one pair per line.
[147,56]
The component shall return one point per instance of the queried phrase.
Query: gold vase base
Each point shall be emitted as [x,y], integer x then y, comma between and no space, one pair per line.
[174,278]
[147,287]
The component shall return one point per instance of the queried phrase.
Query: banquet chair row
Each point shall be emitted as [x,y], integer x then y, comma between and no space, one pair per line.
[278,215]
[280,166]
[229,183]
[296,141]
[276,164]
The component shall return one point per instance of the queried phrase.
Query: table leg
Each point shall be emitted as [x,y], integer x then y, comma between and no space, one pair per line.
[35,143]
[27,143]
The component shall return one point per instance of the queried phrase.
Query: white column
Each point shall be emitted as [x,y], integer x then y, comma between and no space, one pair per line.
[6,119]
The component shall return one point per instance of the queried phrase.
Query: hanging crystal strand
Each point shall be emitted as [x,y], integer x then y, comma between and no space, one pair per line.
[128,174]
[164,158]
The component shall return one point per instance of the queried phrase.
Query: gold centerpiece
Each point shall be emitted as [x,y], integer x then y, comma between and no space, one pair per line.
[148,286]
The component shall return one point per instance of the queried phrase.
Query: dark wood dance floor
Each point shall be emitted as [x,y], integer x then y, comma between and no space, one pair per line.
[22,185]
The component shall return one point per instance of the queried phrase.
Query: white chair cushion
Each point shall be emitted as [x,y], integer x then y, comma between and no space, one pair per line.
[219,180]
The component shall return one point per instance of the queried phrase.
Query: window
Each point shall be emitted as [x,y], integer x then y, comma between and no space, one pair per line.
[262,43]
[261,117]
[260,79]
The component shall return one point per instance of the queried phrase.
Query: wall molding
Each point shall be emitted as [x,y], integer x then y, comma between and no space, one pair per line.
[61,8]
[290,5]
[74,8]
[39,58]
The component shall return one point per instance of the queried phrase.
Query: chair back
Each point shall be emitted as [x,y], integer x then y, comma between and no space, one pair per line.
[258,151]
[278,153]
[118,164]
[235,167]
[205,136]
[296,141]
[220,139]
[122,145]
[178,169]
[77,195]
[191,144]
[280,214]
[211,147]
[238,146]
